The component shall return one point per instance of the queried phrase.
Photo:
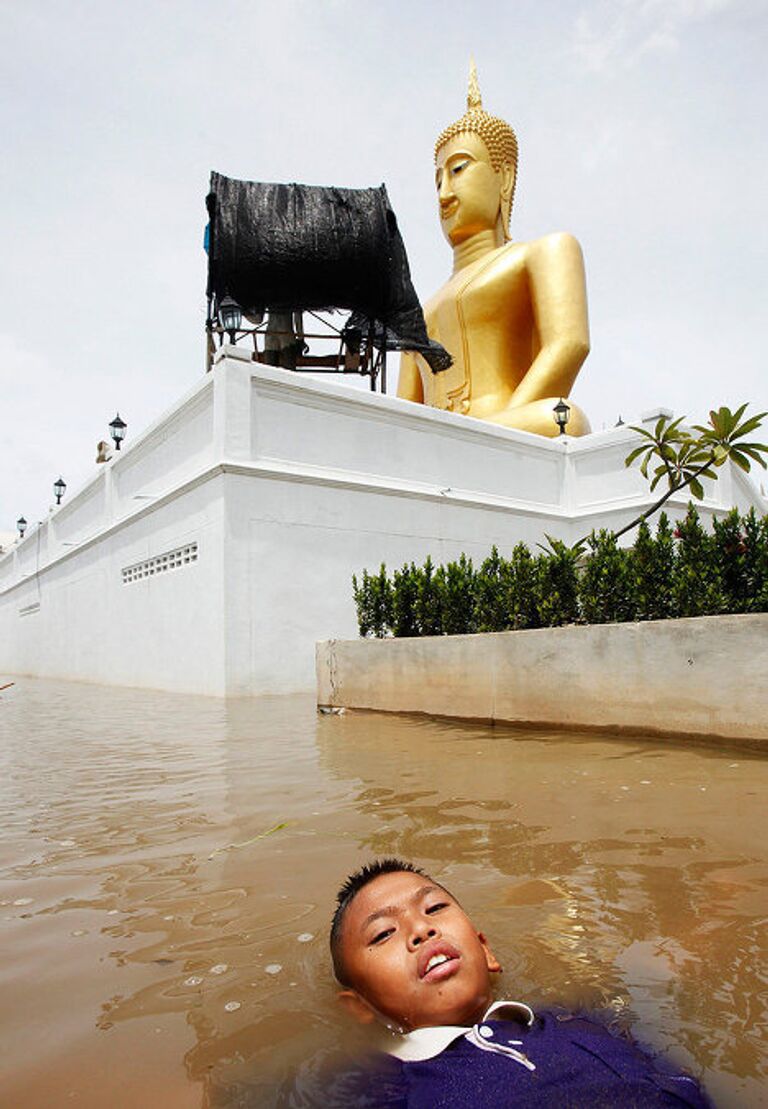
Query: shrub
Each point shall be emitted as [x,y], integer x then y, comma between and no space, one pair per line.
[522,591]
[605,587]
[456,582]
[373,598]
[696,586]
[687,572]
[557,584]
[361,591]
[492,594]
[651,567]
[732,562]
[405,593]
[429,615]
[756,540]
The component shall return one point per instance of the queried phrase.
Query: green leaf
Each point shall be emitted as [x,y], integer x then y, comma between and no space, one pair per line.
[752,449]
[697,488]
[635,454]
[738,458]
[749,425]
[642,431]
[672,432]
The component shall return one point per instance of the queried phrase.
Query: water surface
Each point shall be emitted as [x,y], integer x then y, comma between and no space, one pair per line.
[159,949]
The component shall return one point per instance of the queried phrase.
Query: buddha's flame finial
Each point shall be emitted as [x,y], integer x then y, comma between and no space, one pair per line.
[474,99]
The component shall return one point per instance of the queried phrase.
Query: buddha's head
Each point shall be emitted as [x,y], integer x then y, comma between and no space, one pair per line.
[475,171]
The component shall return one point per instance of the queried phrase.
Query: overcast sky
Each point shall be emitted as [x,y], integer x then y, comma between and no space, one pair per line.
[641,126]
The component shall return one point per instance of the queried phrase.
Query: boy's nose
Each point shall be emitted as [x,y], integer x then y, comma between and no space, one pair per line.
[422,931]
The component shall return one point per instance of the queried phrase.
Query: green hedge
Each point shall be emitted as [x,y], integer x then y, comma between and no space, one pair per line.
[680,571]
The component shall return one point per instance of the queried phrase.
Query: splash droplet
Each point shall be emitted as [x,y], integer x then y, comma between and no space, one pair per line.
[232,1006]
[305,937]
[23,901]
[220,968]
[273,968]
[193,980]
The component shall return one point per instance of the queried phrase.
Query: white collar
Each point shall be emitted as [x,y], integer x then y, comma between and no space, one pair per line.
[426,1043]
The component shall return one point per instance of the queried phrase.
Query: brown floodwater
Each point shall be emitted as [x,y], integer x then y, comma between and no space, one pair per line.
[168,866]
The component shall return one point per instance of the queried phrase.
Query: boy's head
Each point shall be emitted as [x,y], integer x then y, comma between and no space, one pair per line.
[405,950]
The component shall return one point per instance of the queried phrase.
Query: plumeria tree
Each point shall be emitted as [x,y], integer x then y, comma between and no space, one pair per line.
[683,458]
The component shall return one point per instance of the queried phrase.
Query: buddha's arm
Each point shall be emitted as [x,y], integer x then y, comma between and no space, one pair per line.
[409,385]
[559,303]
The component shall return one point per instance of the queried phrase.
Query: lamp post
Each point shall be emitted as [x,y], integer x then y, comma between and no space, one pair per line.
[21,524]
[230,317]
[561,414]
[117,430]
[59,489]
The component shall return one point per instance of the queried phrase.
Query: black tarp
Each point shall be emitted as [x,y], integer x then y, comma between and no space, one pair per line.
[289,247]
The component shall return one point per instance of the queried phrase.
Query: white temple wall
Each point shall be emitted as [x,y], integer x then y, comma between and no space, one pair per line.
[78,619]
[287,486]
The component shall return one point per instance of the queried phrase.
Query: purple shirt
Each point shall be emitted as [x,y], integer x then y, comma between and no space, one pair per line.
[546,1062]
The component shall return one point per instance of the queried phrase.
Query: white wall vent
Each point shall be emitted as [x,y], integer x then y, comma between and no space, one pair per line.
[161,564]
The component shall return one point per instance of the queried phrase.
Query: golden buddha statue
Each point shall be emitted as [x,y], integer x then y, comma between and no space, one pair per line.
[512,315]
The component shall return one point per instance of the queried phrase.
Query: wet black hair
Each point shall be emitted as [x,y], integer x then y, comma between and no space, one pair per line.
[346,895]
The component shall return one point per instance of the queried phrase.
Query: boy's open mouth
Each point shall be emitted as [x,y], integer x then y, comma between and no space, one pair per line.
[438,961]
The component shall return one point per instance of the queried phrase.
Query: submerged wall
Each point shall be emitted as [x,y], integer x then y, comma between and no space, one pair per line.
[706,676]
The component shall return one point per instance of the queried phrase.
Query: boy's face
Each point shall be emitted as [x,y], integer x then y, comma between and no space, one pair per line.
[412,955]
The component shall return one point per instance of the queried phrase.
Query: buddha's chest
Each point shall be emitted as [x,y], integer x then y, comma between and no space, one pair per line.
[479,316]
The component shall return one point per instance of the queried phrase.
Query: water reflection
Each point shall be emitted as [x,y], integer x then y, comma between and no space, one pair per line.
[174,853]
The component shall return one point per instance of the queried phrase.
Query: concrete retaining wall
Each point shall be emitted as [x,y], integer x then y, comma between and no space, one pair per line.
[704,677]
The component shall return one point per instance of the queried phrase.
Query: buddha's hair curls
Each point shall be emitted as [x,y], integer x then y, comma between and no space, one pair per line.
[499,138]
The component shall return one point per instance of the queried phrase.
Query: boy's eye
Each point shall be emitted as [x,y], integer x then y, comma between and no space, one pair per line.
[437,907]
[381,936]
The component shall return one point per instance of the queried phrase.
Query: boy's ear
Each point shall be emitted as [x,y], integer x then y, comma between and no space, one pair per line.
[493,964]
[356,1006]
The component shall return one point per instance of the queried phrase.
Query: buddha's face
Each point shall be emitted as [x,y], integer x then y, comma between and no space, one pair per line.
[469,189]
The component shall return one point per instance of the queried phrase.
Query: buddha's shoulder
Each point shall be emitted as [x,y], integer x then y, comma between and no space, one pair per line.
[555,244]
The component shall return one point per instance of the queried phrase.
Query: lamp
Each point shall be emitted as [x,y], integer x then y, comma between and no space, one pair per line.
[561,414]
[59,489]
[21,524]
[117,430]
[230,317]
